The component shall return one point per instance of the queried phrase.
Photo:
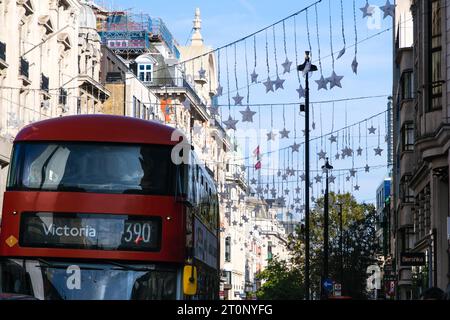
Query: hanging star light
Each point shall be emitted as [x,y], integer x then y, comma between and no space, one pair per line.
[214,111]
[269,85]
[303,177]
[259,190]
[337,156]
[353,172]
[279,83]
[359,150]
[231,123]
[378,151]
[367,10]
[357,188]
[219,91]
[202,73]
[295,147]
[238,100]
[333,139]
[322,155]
[347,178]
[388,9]
[273,191]
[281,201]
[197,129]
[234,223]
[298,210]
[291,172]
[284,177]
[301,92]
[253,181]
[243,167]
[247,115]
[298,190]
[284,134]
[187,104]
[313,199]
[286,192]
[271,136]
[367,168]
[254,76]
[331,179]
[335,80]
[322,83]
[372,130]
[234,208]
[318,178]
[355,66]
[287,66]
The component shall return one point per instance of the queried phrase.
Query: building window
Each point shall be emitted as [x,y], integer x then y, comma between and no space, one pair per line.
[407,86]
[436,55]
[228,249]
[145,72]
[269,251]
[408,136]
[406,193]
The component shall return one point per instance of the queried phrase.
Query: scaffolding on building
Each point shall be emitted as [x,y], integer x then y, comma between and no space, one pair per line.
[127,33]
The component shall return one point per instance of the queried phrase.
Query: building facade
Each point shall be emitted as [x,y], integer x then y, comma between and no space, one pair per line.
[420,190]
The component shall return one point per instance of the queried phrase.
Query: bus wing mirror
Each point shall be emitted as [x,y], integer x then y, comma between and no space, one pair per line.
[190,280]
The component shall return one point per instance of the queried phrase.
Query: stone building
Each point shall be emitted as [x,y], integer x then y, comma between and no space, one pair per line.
[420,190]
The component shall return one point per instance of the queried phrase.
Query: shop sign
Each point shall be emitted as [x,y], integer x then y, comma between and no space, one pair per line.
[412,259]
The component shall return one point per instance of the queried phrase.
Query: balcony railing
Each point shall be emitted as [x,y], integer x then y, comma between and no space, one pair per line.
[24,68]
[2,51]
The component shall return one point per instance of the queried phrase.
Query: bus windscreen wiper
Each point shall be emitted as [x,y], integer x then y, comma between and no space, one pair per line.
[127,267]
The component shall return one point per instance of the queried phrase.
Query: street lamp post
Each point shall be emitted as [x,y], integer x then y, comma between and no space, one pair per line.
[306,68]
[326,167]
[340,243]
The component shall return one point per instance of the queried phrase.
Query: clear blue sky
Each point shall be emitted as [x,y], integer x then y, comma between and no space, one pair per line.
[226,21]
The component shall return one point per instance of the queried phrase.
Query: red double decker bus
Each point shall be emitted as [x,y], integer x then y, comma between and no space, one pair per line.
[101,207]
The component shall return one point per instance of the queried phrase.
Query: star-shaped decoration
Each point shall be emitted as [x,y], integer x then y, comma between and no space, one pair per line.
[322,155]
[197,129]
[295,147]
[333,139]
[388,9]
[313,199]
[187,104]
[357,188]
[367,168]
[284,177]
[359,150]
[231,123]
[298,190]
[269,85]
[353,173]
[240,225]
[271,136]
[238,100]
[284,134]
[372,130]
[322,83]
[243,167]
[214,111]
[301,92]
[291,172]
[355,66]
[347,178]
[298,210]
[331,179]
[247,115]
[254,76]
[349,152]
[253,181]
[341,53]
[378,151]
[337,156]
[367,10]
[281,201]
[335,80]
[202,73]
[234,223]
[303,177]
[279,173]
[273,191]
[287,66]
[318,178]
[219,91]
[241,197]
[259,190]
[279,83]
[286,192]
[234,208]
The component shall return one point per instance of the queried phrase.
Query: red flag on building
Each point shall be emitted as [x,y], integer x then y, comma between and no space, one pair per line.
[258,158]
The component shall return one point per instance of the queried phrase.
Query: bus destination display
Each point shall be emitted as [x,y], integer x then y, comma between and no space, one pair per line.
[90,231]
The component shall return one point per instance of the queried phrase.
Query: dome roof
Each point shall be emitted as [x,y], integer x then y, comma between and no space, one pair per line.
[87,16]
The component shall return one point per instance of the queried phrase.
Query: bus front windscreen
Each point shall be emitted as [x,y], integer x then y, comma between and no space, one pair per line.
[92,167]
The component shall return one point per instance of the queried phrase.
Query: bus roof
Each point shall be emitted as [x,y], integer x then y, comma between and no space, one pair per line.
[98,128]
